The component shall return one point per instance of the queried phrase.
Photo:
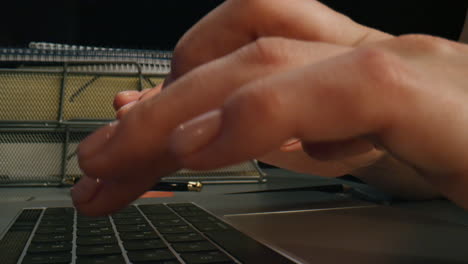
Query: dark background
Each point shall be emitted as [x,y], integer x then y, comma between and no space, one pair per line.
[159,24]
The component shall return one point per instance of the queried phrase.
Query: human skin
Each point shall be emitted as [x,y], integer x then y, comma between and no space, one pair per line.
[342,91]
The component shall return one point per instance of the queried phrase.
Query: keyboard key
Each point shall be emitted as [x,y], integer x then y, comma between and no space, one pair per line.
[150,255]
[12,245]
[112,259]
[57,217]
[16,227]
[126,215]
[211,226]
[185,207]
[129,209]
[201,219]
[54,229]
[96,240]
[175,229]
[194,246]
[29,215]
[29,225]
[189,237]
[190,213]
[59,211]
[95,231]
[98,250]
[155,209]
[83,218]
[55,258]
[134,228]
[40,238]
[206,257]
[144,244]
[93,224]
[156,217]
[173,222]
[138,235]
[50,247]
[61,222]
[14,240]
[130,221]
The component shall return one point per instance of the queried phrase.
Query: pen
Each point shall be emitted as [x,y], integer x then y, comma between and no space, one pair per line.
[191,186]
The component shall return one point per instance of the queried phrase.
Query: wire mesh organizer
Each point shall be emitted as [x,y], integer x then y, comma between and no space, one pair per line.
[52,96]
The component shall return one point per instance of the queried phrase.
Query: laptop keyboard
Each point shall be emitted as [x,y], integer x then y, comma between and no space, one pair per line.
[138,234]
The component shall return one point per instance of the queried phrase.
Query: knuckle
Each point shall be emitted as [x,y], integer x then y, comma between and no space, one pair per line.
[381,68]
[117,102]
[257,104]
[265,51]
[427,43]
[257,6]
[179,57]
[185,57]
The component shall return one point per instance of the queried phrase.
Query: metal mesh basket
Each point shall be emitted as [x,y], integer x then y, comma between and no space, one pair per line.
[54,96]
[46,109]
[40,156]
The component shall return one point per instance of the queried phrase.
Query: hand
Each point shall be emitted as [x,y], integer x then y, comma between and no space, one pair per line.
[407,95]
[140,144]
[238,23]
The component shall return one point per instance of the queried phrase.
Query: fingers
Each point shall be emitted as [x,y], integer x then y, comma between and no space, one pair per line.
[124,98]
[145,129]
[236,23]
[137,149]
[329,151]
[293,144]
[328,102]
[124,101]
[388,96]
[96,197]
[337,150]
[147,93]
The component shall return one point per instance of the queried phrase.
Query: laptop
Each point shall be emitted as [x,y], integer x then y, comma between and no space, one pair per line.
[295,227]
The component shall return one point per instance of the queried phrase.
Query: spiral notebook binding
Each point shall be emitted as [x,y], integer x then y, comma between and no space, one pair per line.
[56,46]
[123,68]
[105,60]
[109,56]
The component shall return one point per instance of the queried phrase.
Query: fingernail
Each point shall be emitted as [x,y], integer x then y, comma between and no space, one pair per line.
[85,189]
[291,141]
[127,106]
[128,93]
[292,144]
[124,110]
[96,141]
[196,133]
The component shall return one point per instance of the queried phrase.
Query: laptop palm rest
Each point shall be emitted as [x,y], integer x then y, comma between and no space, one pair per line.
[357,235]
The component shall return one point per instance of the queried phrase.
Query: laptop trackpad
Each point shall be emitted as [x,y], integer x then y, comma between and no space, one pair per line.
[358,235]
